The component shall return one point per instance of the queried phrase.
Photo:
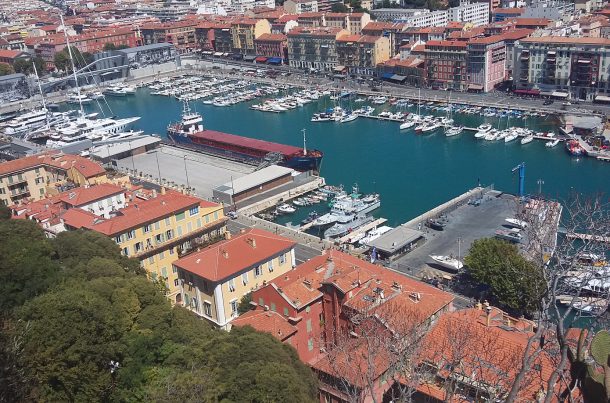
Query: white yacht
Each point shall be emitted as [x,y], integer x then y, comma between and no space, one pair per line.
[511,136]
[552,143]
[527,139]
[454,131]
[482,130]
[448,262]
[26,122]
[79,99]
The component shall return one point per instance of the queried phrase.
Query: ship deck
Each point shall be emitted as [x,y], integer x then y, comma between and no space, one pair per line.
[232,140]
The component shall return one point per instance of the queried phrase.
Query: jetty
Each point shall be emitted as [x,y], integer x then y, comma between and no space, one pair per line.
[361,230]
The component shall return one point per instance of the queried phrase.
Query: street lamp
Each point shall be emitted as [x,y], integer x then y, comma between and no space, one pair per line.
[158,168]
[540,182]
[187,173]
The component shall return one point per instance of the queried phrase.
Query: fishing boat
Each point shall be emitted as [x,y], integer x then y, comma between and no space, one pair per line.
[527,139]
[448,262]
[551,143]
[574,148]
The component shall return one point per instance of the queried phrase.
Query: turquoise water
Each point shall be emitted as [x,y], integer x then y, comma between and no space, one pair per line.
[412,173]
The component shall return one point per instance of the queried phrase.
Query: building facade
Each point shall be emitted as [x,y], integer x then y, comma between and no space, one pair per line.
[446,63]
[314,48]
[213,280]
[362,53]
[180,33]
[271,45]
[301,6]
[563,67]
[486,62]
[245,31]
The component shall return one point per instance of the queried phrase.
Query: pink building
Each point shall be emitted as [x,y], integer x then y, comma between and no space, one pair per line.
[486,63]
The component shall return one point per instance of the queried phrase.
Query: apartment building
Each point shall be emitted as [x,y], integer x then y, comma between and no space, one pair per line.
[213,280]
[476,13]
[271,45]
[361,54]
[156,228]
[563,67]
[486,62]
[32,178]
[446,63]
[245,31]
[311,20]
[353,22]
[301,6]
[314,48]
[180,33]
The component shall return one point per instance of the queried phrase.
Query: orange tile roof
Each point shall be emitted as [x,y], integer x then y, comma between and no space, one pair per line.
[486,40]
[518,33]
[272,37]
[348,38]
[543,22]
[458,44]
[86,167]
[86,195]
[227,258]
[136,214]
[559,40]
[268,322]
[10,54]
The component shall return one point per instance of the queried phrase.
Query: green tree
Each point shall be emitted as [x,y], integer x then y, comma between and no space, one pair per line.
[6,69]
[109,46]
[244,303]
[339,8]
[25,65]
[515,282]
[62,59]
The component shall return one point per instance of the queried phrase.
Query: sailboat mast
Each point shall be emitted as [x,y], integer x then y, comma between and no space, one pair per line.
[44,106]
[80,102]
[304,142]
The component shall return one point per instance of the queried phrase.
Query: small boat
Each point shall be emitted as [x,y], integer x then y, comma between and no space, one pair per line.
[527,139]
[285,208]
[513,235]
[454,131]
[349,118]
[407,124]
[482,131]
[574,148]
[551,143]
[448,262]
[514,222]
[310,217]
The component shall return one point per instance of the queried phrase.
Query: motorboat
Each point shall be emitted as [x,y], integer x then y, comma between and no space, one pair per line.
[527,139]
[285,209]
[574,148]
[492,135]
[448,262]
[340,229]
[321,117]
[407,124]
[454,131]
[516,223]
[349,117]
[79,99]
[511,136]
[551,143]
[514,235]
[310,217]
[482,130]
[374,234]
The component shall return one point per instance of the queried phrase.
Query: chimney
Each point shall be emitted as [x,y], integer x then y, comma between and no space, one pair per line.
[225,254]
[242,231]
[251,242]
[154,193]
[488,310]
[163,190]
[227,235]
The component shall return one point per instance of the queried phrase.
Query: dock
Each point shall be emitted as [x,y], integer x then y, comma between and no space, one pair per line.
[361,230]
[589,237]
[381,118]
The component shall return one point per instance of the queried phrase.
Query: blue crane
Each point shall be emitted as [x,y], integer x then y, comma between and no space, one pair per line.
[521,168]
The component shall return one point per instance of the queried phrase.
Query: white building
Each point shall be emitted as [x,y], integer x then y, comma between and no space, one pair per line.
[301,6]
[426,18]
[475,13]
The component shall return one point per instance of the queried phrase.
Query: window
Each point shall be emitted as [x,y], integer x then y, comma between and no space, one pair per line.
[244,278]
[310,344]
[131,234]
[161,255]
[167,221]
[282,258]
[216,215]
[285,311]
[189,227]
[308,324]
[270,265]
[180,216]
[157,225]
[126,251]
[179,230]
[164,272]
[258,271]
[169,234]
[273,306]
[151,260]
[234,308]
[207,308]
[159,238]
[171,251]
[261,302]
[308,309]
[100,205]
[199,223]
[154,276]
[146,228]
[207,218]
[118,239]
[194,211]
[231,285]
[138,247]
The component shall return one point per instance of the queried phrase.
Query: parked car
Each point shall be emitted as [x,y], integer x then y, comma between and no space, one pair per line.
[548,101]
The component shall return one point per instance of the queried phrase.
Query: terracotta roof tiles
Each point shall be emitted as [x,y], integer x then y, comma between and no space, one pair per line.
[268,322]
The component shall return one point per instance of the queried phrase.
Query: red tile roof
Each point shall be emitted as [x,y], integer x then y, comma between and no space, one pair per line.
[138,213]
[272,37]
[348,38]
[268,322]
[486,40]
[10,54]
[541,22]
[227,258]
[86,167]
[86,195]
[568,40]
[458,44]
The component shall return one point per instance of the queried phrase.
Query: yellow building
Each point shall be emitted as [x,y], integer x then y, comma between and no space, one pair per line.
[245,31]
[361,54]
[33,177]
[156,228]
[214,280]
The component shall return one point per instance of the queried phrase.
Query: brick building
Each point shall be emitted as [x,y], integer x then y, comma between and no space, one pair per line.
[446,63]
[272,45]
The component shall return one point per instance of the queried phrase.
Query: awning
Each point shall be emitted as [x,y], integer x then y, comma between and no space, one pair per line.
[527,92]
[339,76]
[558,94]
[218,54]
[475,87]
[546,93]
[260,59]
[387,76]
[602,98]
[584,61]
[339,69]
[398,77]
[249,58]
[274,60]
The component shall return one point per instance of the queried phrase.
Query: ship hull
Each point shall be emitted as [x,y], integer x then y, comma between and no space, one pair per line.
[299,163]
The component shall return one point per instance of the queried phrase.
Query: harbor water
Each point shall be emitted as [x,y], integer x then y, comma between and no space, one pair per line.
[413,173]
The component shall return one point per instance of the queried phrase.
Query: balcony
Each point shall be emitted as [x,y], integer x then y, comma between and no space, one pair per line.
[19,192]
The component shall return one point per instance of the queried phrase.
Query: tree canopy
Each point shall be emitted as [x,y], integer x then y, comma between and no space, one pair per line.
[6,69]
[25,65]
[81,322]
[62,59]
[515,282]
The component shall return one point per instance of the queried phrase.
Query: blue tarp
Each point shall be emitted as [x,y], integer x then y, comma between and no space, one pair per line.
[274,60]
[387,76]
